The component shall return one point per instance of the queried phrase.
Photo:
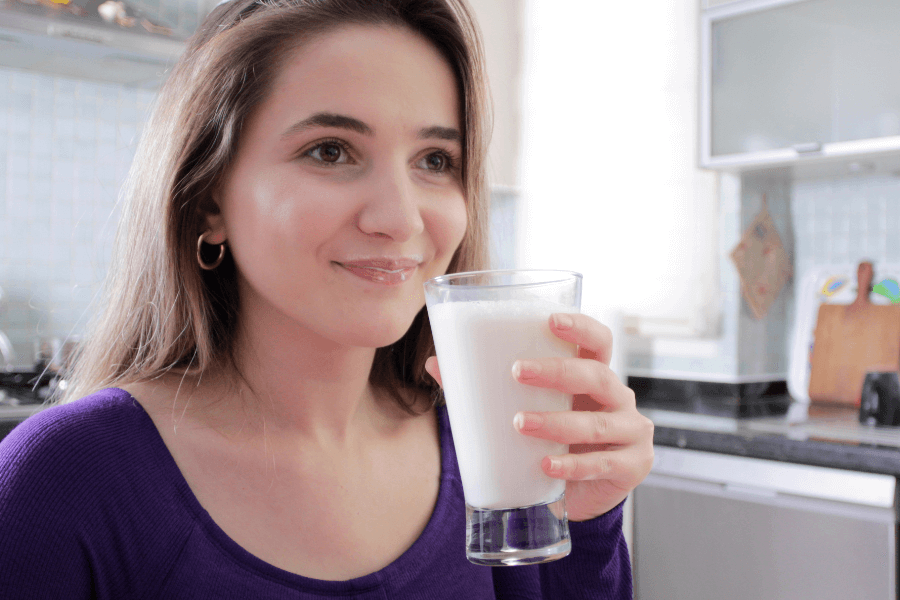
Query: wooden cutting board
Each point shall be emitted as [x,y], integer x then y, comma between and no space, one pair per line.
[851,340]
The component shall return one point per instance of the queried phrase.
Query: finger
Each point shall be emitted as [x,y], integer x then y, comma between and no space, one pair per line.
[594,339]
[641,429]
[575,376]
[570,427]
[433,369]
[618,464]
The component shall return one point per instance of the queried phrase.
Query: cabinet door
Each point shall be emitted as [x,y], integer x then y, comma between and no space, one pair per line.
[794,76]
[697,540]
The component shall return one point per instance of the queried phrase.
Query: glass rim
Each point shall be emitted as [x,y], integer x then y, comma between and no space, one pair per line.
[559,276]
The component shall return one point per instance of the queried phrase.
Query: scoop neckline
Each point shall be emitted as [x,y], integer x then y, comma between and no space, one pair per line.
[409,561]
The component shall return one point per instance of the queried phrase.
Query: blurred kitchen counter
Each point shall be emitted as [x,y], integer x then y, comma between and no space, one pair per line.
[10,416]
[807,434]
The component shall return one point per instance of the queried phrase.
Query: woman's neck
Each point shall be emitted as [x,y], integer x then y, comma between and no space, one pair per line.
[288,383]
[302,383]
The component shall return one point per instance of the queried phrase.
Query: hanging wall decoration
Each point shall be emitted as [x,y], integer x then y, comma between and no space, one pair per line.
[762,263]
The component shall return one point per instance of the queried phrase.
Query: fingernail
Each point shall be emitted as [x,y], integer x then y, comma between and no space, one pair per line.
[563,321]
[526,369]
[555,465]
[528,421]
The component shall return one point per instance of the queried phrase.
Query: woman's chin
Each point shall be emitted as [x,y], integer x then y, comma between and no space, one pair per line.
[376,334]
[382,339]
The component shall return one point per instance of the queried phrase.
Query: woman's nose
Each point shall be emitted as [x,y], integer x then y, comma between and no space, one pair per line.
[392,207]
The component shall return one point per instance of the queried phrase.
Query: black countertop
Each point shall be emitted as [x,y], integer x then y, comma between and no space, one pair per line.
[811,435]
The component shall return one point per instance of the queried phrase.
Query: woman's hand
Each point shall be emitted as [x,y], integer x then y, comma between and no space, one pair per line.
[611,443]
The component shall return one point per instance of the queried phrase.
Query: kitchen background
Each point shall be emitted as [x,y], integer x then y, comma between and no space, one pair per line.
[603,161]
[655,250]
[66,145]
[65,148]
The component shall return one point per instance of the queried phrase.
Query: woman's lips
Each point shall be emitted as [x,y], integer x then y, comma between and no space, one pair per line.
[384,271]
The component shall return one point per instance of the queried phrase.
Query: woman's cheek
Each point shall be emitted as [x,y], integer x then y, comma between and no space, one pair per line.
[446,221]
[457,226]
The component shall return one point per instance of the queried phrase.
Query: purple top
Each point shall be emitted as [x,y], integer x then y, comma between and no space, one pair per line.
[92,505]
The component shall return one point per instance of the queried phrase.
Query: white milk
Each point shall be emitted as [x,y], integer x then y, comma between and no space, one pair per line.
[477,343]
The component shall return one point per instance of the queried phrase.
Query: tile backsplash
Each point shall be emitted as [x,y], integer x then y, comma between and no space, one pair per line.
[826,221]
[65,148]
[846,220]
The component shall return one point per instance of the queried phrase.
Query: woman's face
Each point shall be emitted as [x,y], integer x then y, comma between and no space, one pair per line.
[346,191]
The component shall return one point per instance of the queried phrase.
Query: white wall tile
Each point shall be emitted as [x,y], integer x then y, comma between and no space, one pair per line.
[64,107]
[854,219]
[19,126]
[17,166]
[65,146]
[86,129]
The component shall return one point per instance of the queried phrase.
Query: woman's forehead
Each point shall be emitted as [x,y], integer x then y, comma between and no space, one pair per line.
[373,74]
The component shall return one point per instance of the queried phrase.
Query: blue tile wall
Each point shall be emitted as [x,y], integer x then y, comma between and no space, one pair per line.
[846,220]
[65,148]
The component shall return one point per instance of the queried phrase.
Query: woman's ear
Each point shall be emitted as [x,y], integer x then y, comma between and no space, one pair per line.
[214,220]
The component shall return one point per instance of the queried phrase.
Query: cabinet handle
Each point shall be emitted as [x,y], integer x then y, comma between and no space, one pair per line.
[807,148]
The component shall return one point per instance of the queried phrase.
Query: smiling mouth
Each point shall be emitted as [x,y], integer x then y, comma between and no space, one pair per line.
[382,271]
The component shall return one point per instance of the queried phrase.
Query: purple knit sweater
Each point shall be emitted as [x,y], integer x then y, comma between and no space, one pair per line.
[92,505]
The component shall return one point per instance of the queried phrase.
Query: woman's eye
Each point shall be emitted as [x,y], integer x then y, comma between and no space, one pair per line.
[437,162]
[329,152]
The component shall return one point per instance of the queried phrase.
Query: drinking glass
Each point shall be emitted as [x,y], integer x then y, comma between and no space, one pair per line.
[482,322]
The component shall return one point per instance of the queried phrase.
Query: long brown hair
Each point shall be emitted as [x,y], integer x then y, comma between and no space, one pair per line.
[162,312]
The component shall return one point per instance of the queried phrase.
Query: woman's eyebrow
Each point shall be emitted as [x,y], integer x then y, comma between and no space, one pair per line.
[442,133]
[324,119]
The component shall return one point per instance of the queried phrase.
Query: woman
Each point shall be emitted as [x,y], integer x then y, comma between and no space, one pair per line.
[255,416]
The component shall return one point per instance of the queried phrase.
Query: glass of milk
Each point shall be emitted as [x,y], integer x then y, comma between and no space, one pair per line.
[482,323]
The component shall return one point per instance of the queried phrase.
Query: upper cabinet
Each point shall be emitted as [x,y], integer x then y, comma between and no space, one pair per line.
[800,82]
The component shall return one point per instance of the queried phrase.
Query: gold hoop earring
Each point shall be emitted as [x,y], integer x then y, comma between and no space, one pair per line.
[204,265]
